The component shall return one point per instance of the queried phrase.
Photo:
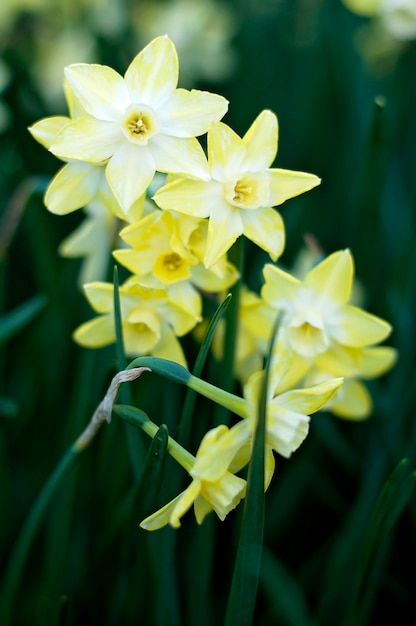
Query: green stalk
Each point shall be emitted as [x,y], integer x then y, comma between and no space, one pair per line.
[236,256]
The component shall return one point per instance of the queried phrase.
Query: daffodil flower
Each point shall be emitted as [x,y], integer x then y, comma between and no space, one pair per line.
[151,322]
[316,312]
[353,401]
[212,488]
[165,253]
[241,191]
[140,123]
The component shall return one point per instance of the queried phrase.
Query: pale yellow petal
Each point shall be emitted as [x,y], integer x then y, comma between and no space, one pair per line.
[377,361]
[352,402]
[161,517]
[280,288]
[152,76]
[100,295]
[170,348]
[354,327]
[261,142]
[100,89]
[176,155]
[129,173]
[190,113]
[192,197]
[88,139]
[285,184]
[45,130]
[96,333]
[333,277]
[225,226]
[265,227]
[311,399]
[72,187]
[226,152]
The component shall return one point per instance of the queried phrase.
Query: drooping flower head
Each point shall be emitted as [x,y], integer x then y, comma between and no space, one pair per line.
[212,488]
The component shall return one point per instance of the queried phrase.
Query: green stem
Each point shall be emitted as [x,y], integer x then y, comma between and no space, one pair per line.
[236,256]
[138,418]
[178,374]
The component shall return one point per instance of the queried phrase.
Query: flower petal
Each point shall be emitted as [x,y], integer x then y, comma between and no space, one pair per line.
[175,155]
[353,401]
[100,295]
[72,187]
[357,328]
[88,139]
[170,348]
[129,173]
[226,152]
[280,288]
[285,184]
[96,333]
[190,113]
[265,227]
[225,226]
[192,197]
[45,130]
[99,89]
[261,142]
[333,277]
[152,76]
[311,399]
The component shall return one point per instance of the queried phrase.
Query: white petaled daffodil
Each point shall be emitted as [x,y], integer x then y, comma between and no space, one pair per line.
[212,487]
[138,124]
[316,313]
[77,183]
[242,189]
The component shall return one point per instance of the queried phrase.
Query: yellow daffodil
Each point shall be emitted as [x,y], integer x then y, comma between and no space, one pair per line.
[316,312]
[353,401]
[211,488]
[165,252]
[140,123]
[242,189]
[287,412]
[151,322]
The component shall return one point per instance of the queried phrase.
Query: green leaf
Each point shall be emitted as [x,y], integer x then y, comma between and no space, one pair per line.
[152,473]
[393,498]
[285,597]
[242,600]
[14,321]
[168,369]
[184,426]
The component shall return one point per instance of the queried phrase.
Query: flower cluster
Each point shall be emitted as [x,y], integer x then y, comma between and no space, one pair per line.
[170,213]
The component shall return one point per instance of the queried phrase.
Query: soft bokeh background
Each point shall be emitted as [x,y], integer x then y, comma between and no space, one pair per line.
[344,89]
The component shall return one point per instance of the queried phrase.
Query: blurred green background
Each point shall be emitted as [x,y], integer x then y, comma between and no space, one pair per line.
[344,90]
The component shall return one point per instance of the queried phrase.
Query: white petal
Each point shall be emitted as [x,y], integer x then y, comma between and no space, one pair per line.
[174,155]
[100,89]
[190,113]
[129,173]
[152,76]
[88,139]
